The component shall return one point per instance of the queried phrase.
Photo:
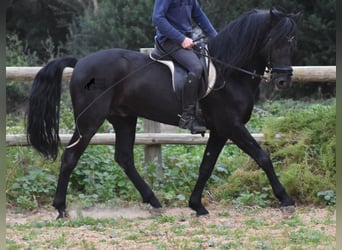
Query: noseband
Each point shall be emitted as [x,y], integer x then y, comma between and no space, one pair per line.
[281,70]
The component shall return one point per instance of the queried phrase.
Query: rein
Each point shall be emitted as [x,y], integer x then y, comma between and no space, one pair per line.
[271,69]
[227,65]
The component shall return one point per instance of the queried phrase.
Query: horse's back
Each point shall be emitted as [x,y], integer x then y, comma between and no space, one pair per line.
[105,66]
[105,59]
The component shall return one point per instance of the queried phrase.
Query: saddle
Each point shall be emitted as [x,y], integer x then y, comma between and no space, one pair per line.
[179,74]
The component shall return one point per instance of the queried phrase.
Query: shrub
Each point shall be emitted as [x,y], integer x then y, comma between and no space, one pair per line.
[306,151]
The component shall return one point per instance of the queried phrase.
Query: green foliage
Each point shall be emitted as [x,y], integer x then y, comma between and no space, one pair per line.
[180,169]
[98,176]
[38,184]
[255,198]
[123,24]
[306,151]
[328,197]
[38,21]
[30,179]
[18,53]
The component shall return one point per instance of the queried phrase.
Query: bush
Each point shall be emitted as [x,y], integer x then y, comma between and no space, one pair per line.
[30,179]
[306,152]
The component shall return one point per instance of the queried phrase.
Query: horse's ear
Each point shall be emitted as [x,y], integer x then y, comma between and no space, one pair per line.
[274,17]
[298,16]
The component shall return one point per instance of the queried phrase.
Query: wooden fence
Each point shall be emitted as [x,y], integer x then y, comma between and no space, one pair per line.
[141,139]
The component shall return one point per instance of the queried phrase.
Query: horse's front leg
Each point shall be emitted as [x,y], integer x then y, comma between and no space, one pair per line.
[244,140]
[213,149]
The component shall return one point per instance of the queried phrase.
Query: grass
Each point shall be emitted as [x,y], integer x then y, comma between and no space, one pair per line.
[225,228]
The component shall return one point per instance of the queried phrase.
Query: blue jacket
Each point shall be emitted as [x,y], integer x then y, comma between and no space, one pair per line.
[173,19]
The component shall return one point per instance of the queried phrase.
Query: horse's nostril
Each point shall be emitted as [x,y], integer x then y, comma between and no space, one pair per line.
[281,83]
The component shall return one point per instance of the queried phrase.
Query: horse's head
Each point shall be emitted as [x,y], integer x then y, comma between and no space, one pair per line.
[279,47]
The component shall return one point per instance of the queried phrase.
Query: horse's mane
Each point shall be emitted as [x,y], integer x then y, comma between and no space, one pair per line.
[249,34]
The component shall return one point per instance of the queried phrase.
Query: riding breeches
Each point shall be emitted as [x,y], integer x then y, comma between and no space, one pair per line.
[185,57]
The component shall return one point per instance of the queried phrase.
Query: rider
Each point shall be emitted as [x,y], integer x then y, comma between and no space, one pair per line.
[173,22]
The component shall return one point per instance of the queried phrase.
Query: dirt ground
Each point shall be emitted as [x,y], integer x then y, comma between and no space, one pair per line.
[143,212]
[158,234]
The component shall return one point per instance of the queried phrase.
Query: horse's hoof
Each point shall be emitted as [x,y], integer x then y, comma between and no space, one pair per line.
[62,215]
[202,212]
[198,208]
[156,211]
[288,211]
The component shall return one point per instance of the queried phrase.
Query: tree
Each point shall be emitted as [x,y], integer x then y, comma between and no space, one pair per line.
[121,23]
[38,21]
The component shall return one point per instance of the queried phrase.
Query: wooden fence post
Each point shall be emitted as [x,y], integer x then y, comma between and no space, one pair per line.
[153,152]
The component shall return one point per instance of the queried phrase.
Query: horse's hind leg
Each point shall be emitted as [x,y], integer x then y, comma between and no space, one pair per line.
[70,158]
[125,136]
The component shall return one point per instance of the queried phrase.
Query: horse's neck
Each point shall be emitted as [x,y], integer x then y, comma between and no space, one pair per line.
[247,85]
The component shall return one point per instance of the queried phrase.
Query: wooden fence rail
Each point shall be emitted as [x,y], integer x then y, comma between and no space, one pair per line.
[141,139]
[302,74]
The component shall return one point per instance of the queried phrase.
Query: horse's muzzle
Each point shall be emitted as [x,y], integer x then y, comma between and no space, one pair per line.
[281,77]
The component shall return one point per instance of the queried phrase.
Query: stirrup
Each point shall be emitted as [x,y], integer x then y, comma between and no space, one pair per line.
[189,122]
[197,129]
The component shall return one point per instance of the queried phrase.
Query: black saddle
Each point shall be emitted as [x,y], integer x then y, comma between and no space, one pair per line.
[179,73]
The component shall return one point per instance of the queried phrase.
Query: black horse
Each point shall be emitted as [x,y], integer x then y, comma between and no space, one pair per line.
[120,85]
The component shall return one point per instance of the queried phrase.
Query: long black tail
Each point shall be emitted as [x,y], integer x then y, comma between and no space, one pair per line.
[44,105]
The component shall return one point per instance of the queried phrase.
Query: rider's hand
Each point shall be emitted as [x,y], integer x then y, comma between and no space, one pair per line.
[188,43]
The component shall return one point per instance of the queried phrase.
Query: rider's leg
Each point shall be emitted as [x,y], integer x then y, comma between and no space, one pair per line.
[189,60]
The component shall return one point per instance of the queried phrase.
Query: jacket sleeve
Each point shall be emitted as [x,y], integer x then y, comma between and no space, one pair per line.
[160,21]
[202,20]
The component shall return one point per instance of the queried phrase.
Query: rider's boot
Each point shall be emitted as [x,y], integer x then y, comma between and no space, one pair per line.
[188,118]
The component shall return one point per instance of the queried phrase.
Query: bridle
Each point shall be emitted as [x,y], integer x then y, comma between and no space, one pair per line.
[280,69]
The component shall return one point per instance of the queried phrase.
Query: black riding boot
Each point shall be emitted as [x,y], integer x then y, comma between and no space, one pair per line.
[188,118]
